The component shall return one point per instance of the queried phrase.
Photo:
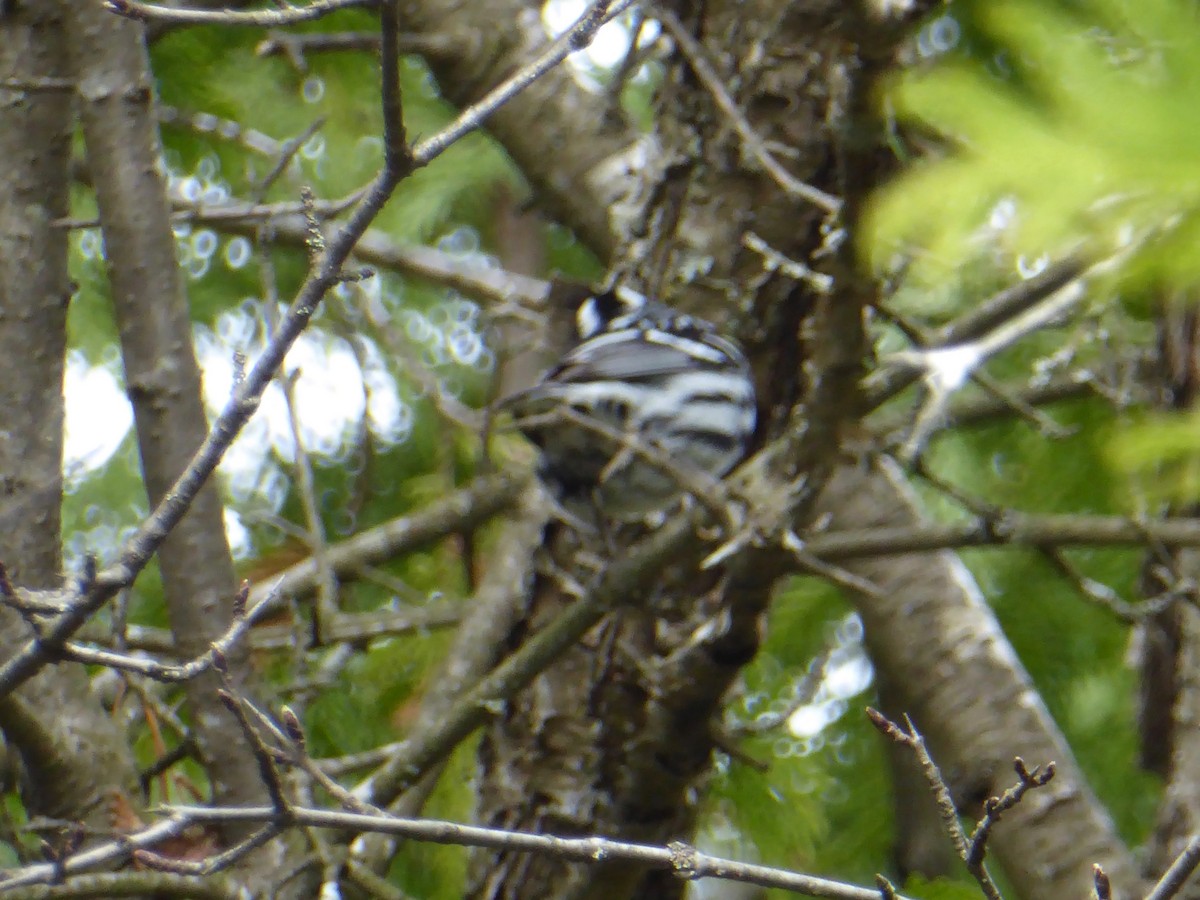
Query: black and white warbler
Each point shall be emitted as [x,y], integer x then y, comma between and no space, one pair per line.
[649,402]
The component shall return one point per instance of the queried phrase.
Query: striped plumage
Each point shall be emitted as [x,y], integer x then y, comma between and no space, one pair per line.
[643,374]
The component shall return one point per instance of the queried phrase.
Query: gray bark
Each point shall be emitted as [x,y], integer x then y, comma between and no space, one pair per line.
[74,754]
[698,192]
[951,669]
[108,58]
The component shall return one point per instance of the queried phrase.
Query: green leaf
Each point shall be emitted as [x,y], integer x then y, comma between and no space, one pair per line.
[1091,134]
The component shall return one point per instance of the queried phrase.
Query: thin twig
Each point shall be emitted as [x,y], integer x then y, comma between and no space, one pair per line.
[159,671]
[995,807]
[268,774]
[802,693]
[326,271]
[992,313]
[261,18]
[206,867]
[913,739]
[774,261]
[686,861]
[1178,872]
[98,856]
[133,883]
[466,507]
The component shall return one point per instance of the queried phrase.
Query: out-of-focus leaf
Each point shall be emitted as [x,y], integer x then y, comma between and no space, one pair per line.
[1161,451]
[941,889]
[1090,132]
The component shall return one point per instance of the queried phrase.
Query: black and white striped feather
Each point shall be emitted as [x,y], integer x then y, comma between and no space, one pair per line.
[642,375]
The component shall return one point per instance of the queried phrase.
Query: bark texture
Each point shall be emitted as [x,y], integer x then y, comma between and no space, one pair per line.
[554,119]
[950,667]
[1168,641]
[73,752]
[606,721]
[109,61]
[617,737]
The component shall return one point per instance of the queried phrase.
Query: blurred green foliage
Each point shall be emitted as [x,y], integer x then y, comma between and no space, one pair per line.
[1080,113]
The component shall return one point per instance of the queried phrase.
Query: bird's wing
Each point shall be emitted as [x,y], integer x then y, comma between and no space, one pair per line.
[636,355]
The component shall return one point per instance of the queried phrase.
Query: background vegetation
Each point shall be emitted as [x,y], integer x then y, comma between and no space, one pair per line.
[1008,143]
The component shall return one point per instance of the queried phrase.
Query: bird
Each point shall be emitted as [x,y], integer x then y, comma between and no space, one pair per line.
[650,403]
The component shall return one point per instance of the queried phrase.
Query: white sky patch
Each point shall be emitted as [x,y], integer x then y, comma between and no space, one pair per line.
[98,416]
[609,45]
[948,369]
[237,535]
[847,674]
[333,394]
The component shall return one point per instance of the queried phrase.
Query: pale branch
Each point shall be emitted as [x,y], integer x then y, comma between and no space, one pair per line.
[355,762]
[1010,302]
[834,574]
[505,292]
[1102,594]
[997,390]
[1001,307]
[158,671]
[964,412]
[47,84]
[229,129]
[774,261]
[685,861]
[241,708]
[1178,872]
[355,629]
[1015,529]
[468,507]
[1091,590]
[950,371]
[98,856]
[234,213]
[287,153]
[130,884]
[289,15]
[296,47]
[946,369]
